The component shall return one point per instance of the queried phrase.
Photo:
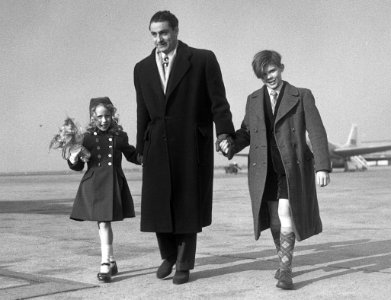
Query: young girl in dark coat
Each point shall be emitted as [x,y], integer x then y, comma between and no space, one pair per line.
[103,194]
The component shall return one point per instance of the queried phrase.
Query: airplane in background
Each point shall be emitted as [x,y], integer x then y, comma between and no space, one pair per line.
[350,155]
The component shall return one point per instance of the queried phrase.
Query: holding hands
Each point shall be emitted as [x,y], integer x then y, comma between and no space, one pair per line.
[225,144]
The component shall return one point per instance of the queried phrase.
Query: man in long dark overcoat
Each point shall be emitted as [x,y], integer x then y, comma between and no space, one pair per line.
[180,93]
[281,165]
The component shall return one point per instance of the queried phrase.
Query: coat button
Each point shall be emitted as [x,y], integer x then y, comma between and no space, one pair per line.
[95,133]
[109,163]
[98,164]
[254,164]
[110,146]
[110,139]
[99,156]
[110,155]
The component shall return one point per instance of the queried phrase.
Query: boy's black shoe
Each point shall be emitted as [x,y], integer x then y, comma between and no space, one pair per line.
[285,281]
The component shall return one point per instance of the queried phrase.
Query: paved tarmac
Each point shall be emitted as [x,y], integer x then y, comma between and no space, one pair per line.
[46,255]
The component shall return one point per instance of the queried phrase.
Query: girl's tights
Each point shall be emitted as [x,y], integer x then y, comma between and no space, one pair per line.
[106,244]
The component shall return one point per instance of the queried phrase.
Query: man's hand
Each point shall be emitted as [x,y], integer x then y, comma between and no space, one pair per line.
[322,178]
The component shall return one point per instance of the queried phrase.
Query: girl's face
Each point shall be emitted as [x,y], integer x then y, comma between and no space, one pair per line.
[102,118]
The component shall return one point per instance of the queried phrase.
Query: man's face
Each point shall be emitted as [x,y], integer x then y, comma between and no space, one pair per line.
[272,76]
[164,37]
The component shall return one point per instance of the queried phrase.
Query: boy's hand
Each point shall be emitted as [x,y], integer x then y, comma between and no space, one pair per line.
[227,147]
[219,139]
[322,178]
[224,146]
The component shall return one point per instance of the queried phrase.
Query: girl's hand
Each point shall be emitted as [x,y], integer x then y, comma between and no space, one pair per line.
[74,154]
[140,158]
[84,154]
[322,178]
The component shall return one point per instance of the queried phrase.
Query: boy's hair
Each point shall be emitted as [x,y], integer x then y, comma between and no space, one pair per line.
[114,126]
[264,58]
[165,16]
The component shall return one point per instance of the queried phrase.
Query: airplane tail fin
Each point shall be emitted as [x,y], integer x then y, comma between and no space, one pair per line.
[353,136]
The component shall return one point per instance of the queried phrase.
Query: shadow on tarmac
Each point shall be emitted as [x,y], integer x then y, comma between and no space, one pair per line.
[133,273]
[44,207]
[47,207]
[336,258]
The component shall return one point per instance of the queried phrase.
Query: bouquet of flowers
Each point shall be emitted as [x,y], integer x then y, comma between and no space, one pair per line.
[70,140]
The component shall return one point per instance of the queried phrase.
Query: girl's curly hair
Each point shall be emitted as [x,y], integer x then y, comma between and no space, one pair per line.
[114,128]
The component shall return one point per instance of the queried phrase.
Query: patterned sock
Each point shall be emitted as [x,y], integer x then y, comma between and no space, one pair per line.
[287,244]
[276,237]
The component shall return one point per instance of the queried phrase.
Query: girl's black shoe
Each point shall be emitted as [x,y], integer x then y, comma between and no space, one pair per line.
[105,277]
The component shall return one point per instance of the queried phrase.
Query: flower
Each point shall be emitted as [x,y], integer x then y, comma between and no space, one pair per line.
[69,138]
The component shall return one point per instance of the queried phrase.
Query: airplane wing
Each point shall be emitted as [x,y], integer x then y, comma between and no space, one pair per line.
[353,151]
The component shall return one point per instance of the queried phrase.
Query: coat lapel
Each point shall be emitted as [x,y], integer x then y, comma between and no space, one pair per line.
[153,73]
[181,65]
[258,107]
[289,100]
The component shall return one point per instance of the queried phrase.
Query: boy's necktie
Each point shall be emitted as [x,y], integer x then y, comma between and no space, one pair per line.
[273,99]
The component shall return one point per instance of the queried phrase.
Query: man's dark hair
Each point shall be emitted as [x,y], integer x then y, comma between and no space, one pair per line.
[264,58]
[163,16]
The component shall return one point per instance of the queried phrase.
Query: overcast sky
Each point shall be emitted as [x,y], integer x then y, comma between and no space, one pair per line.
[57,54]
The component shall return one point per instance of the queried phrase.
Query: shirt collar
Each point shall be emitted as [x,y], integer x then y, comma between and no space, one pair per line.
[170,55]
[278,90]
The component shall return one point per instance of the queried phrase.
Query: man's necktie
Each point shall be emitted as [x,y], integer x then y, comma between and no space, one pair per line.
[165,66]
[273,99]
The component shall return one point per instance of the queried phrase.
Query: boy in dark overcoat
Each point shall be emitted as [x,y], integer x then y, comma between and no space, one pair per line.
[281,164]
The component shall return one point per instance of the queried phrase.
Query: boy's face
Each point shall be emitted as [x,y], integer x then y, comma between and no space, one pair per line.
[164,37]
[271,76]
[102,118]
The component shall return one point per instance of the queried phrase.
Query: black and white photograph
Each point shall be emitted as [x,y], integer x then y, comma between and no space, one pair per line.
[195,149]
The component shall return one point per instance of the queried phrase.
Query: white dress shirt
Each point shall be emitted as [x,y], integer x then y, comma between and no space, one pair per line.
[164,75]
